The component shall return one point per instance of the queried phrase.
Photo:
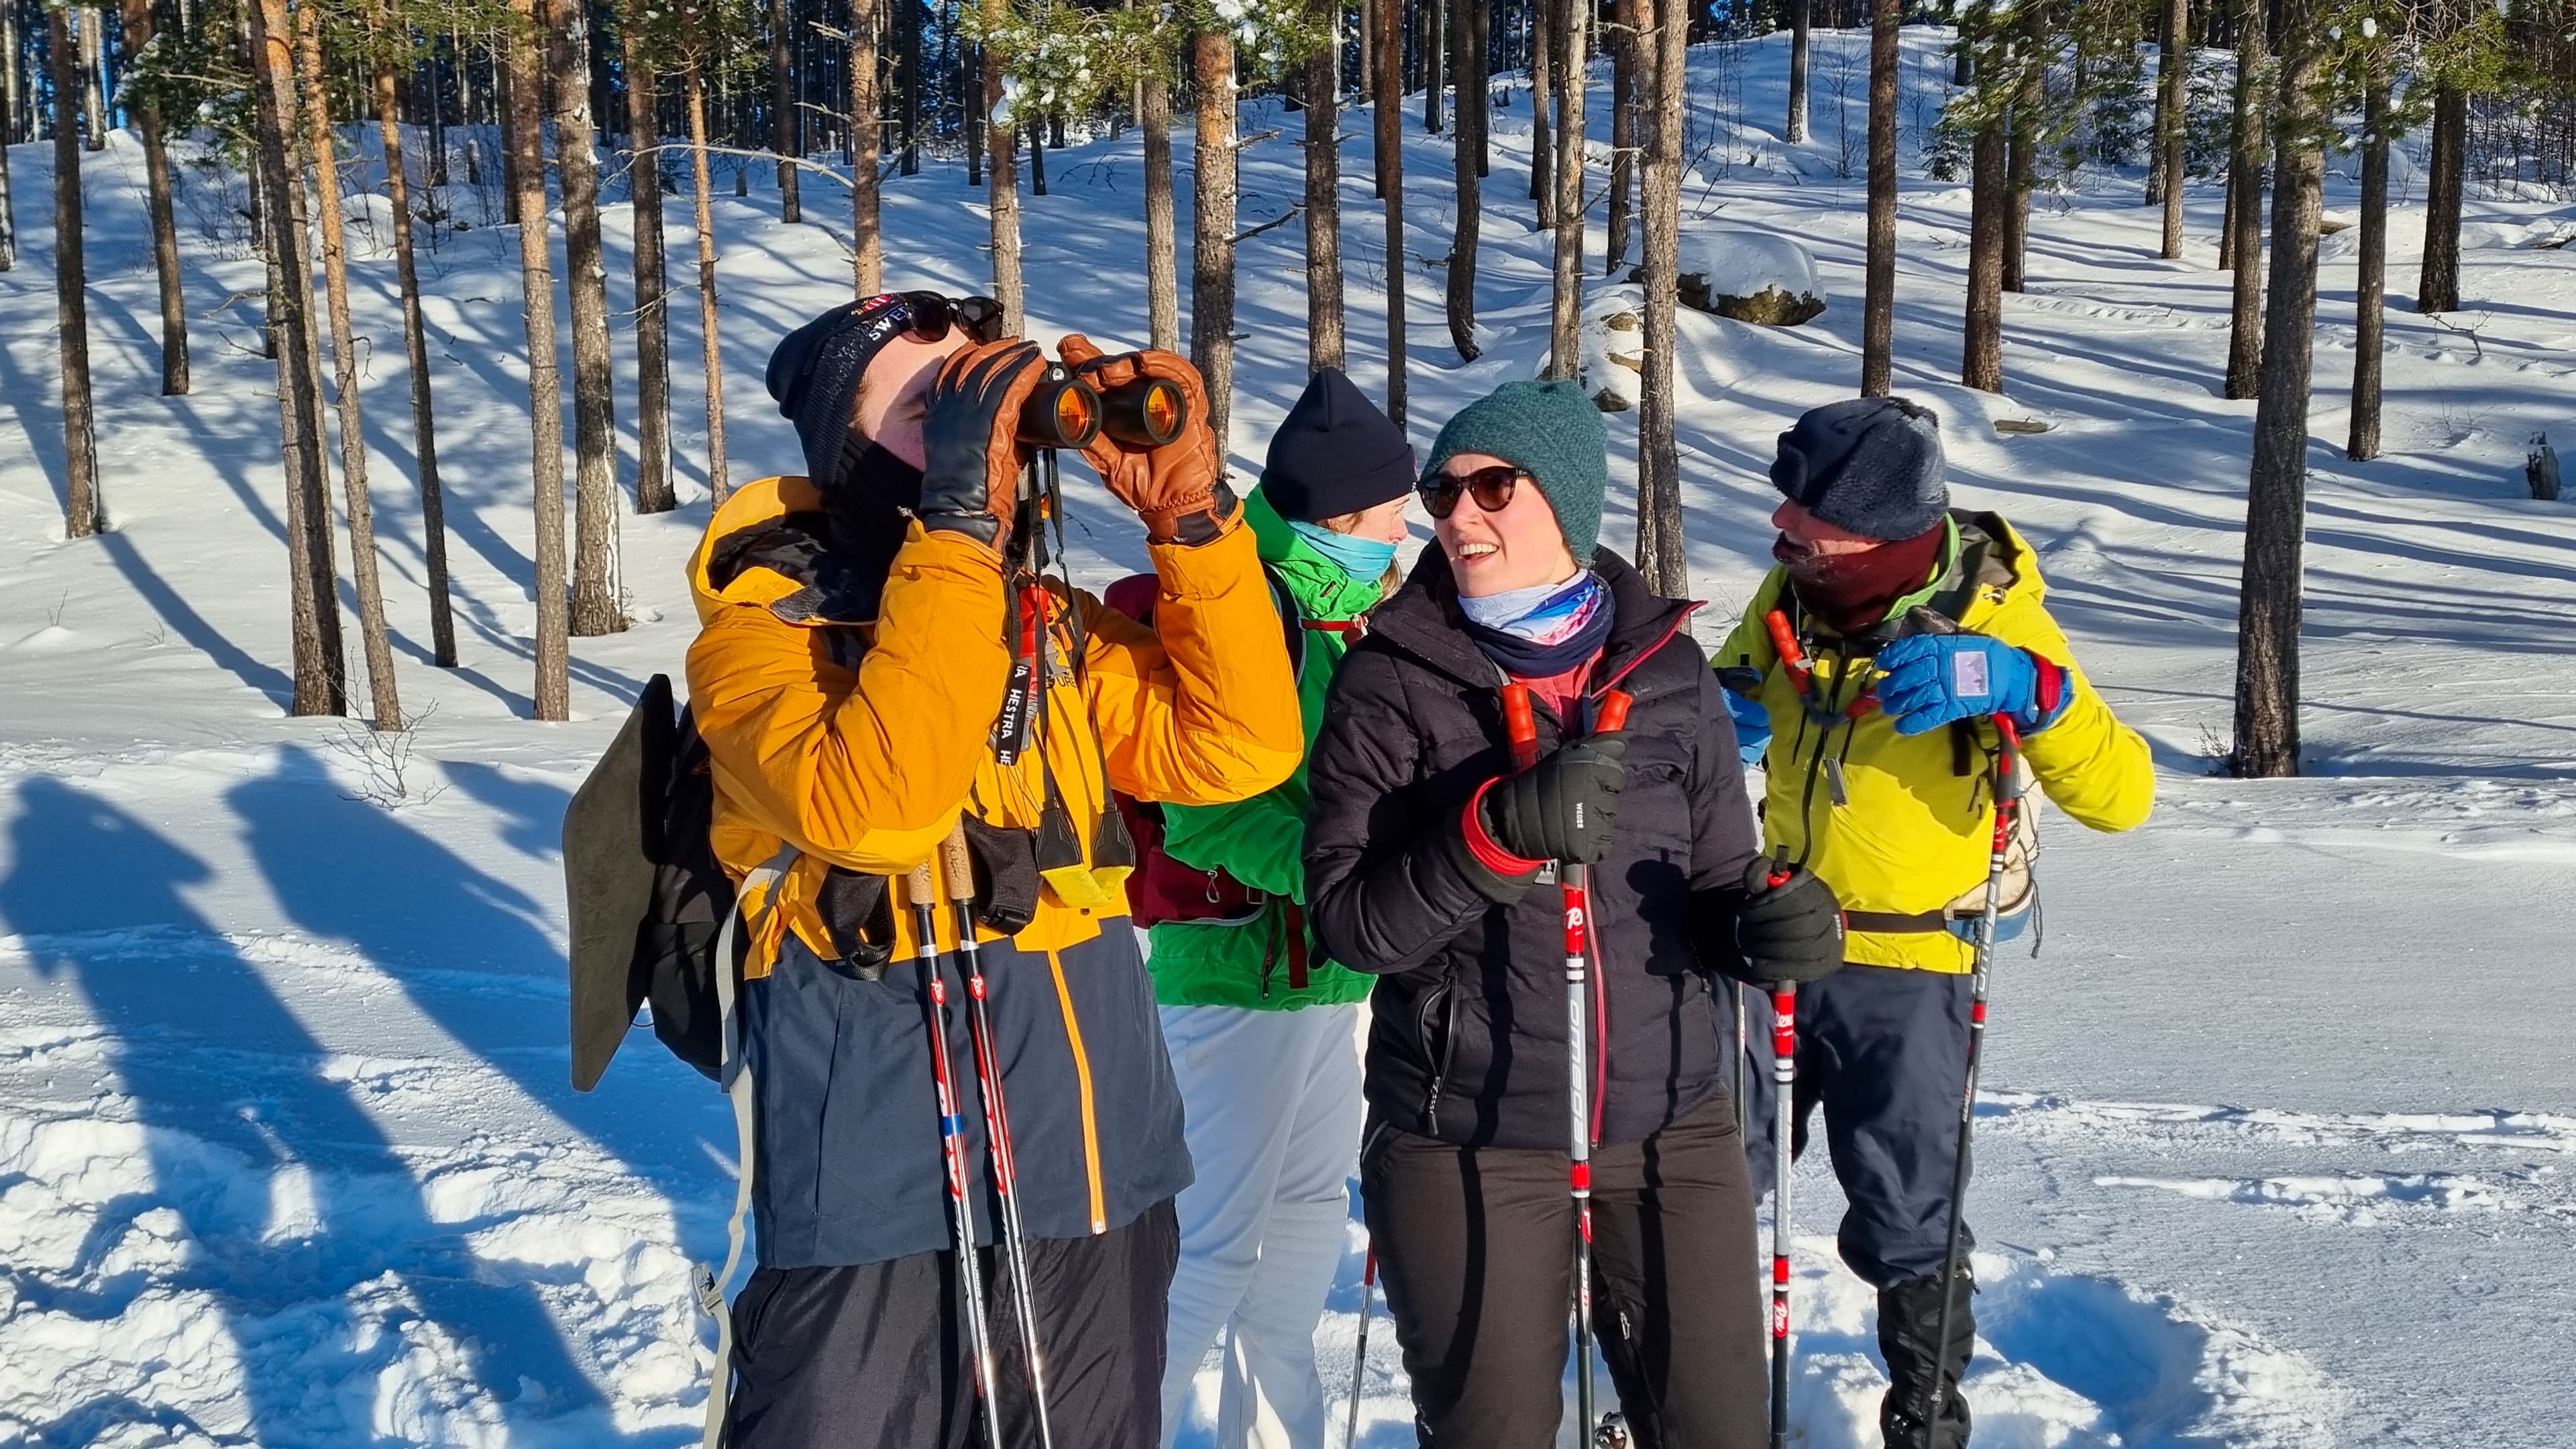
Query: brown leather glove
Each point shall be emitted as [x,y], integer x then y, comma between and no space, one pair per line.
[1177,488]
[971,455]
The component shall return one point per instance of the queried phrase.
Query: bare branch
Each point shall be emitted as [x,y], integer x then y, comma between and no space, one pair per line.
[1239,238]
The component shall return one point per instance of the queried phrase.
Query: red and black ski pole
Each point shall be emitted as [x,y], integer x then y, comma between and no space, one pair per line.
[1784,1118]
[1359,1355]
[957,871]
[952,1147]
[2008,788]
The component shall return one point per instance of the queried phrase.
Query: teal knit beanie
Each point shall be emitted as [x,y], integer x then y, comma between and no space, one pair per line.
[1553,430]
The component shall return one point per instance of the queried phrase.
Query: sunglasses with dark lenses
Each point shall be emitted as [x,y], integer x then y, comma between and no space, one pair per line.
[1491,487]
[932,315]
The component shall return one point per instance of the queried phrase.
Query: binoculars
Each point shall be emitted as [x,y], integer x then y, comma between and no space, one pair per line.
[1067,412]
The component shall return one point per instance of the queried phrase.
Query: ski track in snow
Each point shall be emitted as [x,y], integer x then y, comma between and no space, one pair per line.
[288,1157]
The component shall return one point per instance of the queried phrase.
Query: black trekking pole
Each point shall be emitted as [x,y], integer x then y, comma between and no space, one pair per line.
[957,869]
[1359,1355]
[952,1145]
[2008,788]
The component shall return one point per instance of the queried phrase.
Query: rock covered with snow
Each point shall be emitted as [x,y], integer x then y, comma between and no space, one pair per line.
[1750,276]
[1614,348]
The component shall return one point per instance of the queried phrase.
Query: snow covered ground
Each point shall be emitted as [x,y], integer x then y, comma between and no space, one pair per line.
[2279,1137]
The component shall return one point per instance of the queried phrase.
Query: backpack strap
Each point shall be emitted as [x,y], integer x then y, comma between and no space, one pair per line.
[736,1076]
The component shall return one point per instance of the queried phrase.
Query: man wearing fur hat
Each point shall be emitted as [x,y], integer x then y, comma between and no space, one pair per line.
[1918,624]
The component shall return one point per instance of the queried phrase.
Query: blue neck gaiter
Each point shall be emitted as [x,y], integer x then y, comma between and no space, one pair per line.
[1361,558]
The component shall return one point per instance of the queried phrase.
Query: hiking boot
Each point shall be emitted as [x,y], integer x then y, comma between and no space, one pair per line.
[1909,1319]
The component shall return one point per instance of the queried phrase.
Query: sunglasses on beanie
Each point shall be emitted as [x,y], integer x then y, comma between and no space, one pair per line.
[1492,488]
[929,315]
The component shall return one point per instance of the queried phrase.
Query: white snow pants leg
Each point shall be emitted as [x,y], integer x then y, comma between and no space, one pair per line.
[1274,1121]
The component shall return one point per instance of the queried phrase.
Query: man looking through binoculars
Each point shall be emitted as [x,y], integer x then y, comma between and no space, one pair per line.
[869,629]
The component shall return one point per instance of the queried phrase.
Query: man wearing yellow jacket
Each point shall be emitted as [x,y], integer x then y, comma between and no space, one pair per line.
[863,628]
[1913,625]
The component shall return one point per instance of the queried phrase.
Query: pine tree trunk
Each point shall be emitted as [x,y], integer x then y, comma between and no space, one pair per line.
[867,246]
[1663,556]
[1624,78]
[93,88]
[165,227]
[1435,61]
[2174,72]
[1212,198]
[2245,220]
[785,132]
[653,491]
[2437,285]
[1037,157]
[597,603]
[424,426]
[1878,306]
[502,103]
[1001,168]
[8,124]
[2370,294]
[1981,360]
[1479,93]
[1389,118]
[1324,193]
[1542,185]
[1565,319]
[711,353]
[553,693]
[1461,272]
[383,696]
[83,513]
[321,669]
[2268,608]
[908,66]
[970,83]
[1799,22]
[1162,239]
[2021,163]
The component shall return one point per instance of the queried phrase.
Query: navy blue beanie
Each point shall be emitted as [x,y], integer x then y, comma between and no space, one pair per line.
[1335,453]
[1871,466]
[814,376]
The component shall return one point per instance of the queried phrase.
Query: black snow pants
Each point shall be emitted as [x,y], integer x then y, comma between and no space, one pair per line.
[875,1356]
[1884,1051]
[1475,1246]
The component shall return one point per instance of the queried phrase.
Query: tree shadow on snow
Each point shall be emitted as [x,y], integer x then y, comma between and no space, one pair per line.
[234,1097]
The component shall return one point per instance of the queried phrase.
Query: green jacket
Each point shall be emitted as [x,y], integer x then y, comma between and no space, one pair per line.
[1261,841]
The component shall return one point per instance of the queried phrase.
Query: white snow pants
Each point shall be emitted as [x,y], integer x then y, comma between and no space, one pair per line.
[1273,1099]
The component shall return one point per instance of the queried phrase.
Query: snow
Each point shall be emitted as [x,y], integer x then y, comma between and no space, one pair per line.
[1741,263]
[2276,1144]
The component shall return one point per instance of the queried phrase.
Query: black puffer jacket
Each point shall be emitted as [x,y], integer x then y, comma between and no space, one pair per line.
[1469,1037]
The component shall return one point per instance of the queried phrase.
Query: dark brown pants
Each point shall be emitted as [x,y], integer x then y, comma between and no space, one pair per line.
[1476,1248]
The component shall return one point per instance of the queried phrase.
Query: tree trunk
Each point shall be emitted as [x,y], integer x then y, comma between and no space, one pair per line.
[908,60]
[383,696]
[2245,220]
[2437,286]
[867,247]
[1001,174]
[1162,241]
[1212,228]
[1878,306]
[424,428]
[1981,360]
[1625,24]
[83,513]
[313,601]
[1476,74]
[1542,185]
[1662,554]
[93,87]
[1037,157]
[1799,21]
[2268,608]
[553,694]
[1461,272]
[694,84]
[1324,193]
[1565,320]
[1435,61]
[970,83]
[165,228]
[653,491]
[502,102]
[2021,164]
[597,605]
[785,131]
[1389,118]
[2174,70]
[2370,294]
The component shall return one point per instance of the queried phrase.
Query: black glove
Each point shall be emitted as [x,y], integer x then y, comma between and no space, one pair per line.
[1792,931]
[1564,807]
[970,430]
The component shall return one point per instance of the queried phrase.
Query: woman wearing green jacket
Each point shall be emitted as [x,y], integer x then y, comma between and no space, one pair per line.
[1264,1033]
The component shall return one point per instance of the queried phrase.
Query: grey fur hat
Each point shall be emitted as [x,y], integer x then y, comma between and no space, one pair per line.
[1872,465]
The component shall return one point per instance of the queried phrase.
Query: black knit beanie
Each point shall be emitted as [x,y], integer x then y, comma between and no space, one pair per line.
[1335,453]
[814,376]
[1871,466]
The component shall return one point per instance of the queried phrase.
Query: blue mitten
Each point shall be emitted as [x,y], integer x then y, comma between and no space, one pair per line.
[1928,680]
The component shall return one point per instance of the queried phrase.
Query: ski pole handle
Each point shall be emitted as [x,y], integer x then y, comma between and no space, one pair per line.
[918,886]
[1784,640]
[956,867]
[1521,725]
[1610,711]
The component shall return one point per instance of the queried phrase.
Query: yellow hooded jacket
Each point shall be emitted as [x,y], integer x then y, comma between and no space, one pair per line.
[1912,829]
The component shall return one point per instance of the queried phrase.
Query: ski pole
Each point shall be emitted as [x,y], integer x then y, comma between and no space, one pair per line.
[957,868]
[1784,1084]
[2008,787]
[1359,1356]
[952,1145]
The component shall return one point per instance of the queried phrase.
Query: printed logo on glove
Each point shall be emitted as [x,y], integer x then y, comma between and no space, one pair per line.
[1928,680]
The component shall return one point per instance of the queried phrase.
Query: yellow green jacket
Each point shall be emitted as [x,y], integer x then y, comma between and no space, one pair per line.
[1912,830]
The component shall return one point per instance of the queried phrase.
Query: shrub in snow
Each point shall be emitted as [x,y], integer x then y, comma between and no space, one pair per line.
[1612,365]
[1750,276]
